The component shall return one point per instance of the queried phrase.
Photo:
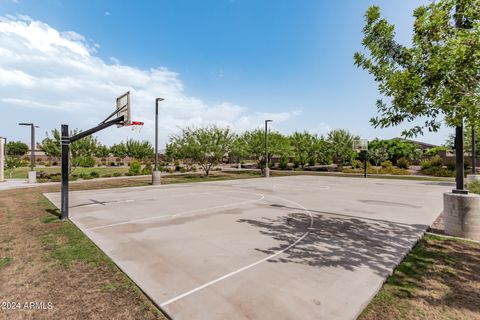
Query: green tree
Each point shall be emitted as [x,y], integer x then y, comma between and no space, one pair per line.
[16,148]
[205,146]
[437,77]
[304,146]
[395,148]
[79,150]
[119,150]
[342,145]
[51,145]
[102,151]
[324,151]
[141,150]
[378,156]
[278,145]
[239,148]
[11,163]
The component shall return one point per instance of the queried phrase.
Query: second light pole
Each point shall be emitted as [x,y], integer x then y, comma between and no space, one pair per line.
[32,175]
[156,180]
[267,169]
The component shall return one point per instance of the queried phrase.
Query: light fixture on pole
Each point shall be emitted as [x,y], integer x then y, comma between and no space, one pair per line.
[156,173]
[32,175]
[267,169]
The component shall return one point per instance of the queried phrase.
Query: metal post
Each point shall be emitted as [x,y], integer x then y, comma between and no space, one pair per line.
[267,169]
[32,146]
[459,160]
[474,152]
[156,176]
[365,163]
[156,133]
[65,154]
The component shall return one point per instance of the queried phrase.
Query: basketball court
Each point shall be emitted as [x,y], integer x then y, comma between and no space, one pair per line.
[299,247]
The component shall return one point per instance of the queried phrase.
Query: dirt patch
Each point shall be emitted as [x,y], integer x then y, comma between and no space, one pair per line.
[57,268]
[439,279]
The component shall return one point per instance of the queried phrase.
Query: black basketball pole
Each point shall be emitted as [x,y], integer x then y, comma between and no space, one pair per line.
[365,163]
[66,140]
[65,153]
[459,160]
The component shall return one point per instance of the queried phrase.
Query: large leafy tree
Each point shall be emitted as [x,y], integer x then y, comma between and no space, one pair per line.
[342,144]
[16,148]
[141,150]
[205,146]
[278,145]
[437,78]
[395,148]
[80,150]
[119,150]
[304,146]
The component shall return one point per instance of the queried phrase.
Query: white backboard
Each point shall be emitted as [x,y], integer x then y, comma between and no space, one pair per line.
[123,108]
[360,145]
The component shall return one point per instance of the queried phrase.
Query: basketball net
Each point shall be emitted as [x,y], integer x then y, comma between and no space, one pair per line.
[136,126]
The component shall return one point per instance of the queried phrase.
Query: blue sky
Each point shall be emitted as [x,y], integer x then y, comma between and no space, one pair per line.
[292,59]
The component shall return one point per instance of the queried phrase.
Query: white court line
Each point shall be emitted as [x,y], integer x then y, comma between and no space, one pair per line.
[228,275]
[178,214]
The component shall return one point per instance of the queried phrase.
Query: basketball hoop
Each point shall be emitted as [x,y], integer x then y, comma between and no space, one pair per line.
[136,125]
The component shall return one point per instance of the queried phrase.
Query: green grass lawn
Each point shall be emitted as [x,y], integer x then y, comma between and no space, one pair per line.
[439,279]
[22,173]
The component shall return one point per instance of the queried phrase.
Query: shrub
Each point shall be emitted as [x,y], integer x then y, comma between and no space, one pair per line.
[194,168]
[436,161]
[147,169]
[85,176]
[312,161]
[94,174]
[176,163]
[54,163]
[135,168]
[403,163]
[24,163]
[387,164]
[117,174]
[425,164]
[86,162]
[171,170]
[438,172]
[296,162]
[357,164]
[106,175]
[474,187]
[451,165]
[56,178]
[283,162]
[183,170]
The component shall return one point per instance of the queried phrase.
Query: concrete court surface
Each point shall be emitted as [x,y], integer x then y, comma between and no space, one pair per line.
[299,247]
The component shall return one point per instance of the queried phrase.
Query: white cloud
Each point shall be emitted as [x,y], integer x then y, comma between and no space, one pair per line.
[107,13]
[55,77]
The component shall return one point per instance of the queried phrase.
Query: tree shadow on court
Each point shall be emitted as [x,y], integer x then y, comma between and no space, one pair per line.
[337,240]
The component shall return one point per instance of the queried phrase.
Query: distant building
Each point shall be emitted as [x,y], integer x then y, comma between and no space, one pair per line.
[421,145]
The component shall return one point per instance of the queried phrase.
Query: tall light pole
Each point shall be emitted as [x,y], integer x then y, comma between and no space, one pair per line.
[267,169]
[156,172]
[32,175]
